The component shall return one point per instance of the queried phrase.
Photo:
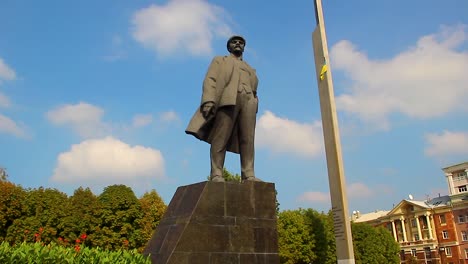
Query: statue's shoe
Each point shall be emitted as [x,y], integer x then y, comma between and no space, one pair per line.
[217,179]
[251,178]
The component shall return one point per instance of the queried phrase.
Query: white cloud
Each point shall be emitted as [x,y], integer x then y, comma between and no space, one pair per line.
[319,197]
[108,161]
[141,120]
[359,190]
[83,118]
[9,126]
[6,72]
[282,135]
[4,101]
[86,120]
[354,190]
[188,25]
[446,143]
[425,81]
[169,116]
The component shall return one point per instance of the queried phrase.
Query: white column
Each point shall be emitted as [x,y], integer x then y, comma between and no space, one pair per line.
[450,183]
[403,228]
[336,176]
[419,227]
[429,228]
[394,231]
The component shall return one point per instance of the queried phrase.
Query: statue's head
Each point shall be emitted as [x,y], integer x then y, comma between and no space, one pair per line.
[236,45]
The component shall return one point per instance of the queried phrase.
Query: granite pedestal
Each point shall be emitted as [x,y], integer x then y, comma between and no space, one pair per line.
[218,223]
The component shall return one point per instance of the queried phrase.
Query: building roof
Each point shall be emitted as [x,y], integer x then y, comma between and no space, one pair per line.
[455,167]
[439,201]
[358,218]
[428,204]
[433,203]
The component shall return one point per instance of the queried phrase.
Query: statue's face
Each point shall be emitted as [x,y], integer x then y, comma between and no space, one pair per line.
[236,46]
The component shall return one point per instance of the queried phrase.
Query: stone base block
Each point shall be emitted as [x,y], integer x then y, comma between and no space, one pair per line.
[218,223]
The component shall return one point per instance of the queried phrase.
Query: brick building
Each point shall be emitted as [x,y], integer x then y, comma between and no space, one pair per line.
[431,231]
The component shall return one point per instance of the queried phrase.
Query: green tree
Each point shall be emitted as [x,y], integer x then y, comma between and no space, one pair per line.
[321,226]
[371,245]
[231,177]
[228,176]
[42,212]
[11,205]
[374,245]
[83,218]
[296,242]
[121,215]
[153,208]
[392,248]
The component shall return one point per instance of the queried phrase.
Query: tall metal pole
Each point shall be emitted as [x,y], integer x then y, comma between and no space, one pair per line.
[342,225]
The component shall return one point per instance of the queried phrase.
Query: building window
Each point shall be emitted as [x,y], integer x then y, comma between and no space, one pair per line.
[413,223]
[466,253]
[416,237]
[442,219]
[464,235]
[461,219]
[445,234]
[460,176]
[462,188]
[413,252]
[448,251]
[402,254]
[427,251]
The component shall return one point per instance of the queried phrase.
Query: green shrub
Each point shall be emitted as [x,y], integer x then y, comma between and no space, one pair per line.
[32,253]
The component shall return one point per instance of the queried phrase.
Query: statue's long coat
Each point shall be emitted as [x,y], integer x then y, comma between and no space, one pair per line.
[220,86]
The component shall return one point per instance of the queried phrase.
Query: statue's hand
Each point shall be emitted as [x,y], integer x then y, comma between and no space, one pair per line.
[208,109]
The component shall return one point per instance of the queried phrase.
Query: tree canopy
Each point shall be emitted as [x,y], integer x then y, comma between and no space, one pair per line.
[296,241]
[116,219]
[306,236]
[374,245]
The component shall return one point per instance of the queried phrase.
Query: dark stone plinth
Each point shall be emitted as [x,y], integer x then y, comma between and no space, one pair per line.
[218,223]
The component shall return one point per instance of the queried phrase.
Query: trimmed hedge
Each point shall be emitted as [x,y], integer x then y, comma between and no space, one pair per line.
[32,253]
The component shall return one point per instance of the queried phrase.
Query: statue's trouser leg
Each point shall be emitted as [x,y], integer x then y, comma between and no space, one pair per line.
[222,130]
[246,125]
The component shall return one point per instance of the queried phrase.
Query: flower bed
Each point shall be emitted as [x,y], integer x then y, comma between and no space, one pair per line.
[52,253]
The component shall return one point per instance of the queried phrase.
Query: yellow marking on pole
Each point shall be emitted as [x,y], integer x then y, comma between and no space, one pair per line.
[323,71]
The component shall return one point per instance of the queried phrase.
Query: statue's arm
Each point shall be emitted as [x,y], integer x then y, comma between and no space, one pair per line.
[209,84]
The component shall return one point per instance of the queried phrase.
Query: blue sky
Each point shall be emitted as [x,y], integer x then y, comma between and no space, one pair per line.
[94,93]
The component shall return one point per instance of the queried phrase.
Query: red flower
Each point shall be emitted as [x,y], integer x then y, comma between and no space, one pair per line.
[83,236]
[60,239]
[36,235]
[77,248]
[78,241]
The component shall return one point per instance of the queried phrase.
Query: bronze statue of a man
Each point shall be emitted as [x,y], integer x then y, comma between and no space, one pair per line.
[227,114]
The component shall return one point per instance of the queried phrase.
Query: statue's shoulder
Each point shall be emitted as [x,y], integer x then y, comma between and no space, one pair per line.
[220,58]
